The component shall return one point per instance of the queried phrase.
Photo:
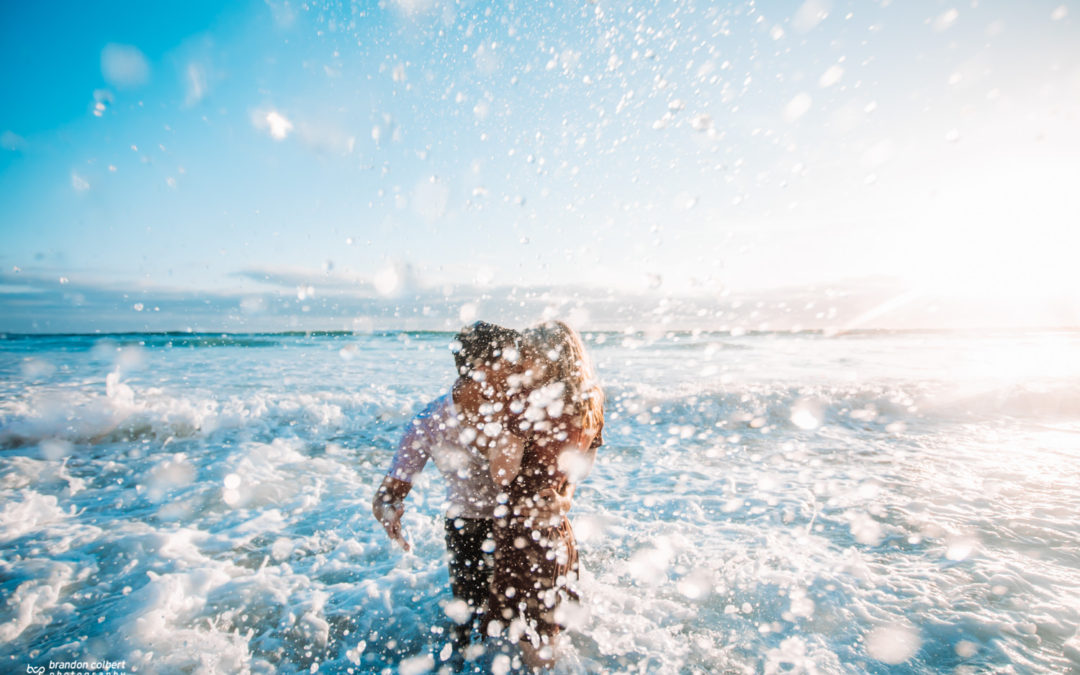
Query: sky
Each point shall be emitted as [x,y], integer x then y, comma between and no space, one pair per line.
[627,165]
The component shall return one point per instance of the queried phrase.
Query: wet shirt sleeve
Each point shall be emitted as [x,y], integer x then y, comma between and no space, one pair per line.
[413,451]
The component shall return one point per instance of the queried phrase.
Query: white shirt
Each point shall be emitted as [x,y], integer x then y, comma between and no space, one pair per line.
[437,433]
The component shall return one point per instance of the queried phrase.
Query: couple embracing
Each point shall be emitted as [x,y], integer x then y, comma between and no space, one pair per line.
[519,428]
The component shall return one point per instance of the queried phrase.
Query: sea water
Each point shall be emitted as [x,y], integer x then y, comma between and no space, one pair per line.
[774,503]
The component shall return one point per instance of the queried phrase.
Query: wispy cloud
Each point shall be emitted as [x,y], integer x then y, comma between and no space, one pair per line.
[393,279]
[301,299]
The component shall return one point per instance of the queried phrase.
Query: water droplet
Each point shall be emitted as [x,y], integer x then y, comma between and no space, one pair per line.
[892,644]
[458,611]
[279,125]
[831,76]
[124,66]
[965,649]
[805,416]
[946,20]
[797,107]
[387,281]
[702,123]
[961,548]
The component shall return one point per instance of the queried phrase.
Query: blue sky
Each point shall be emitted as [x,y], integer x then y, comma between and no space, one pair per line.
[416,163]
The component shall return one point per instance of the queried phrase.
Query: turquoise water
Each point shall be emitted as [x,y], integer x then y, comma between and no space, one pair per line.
[779,503]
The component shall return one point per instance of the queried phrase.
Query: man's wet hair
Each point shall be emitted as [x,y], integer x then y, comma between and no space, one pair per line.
[482,343]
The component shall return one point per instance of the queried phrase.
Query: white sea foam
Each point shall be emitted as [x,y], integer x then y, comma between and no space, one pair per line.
[57,418]
[33,512]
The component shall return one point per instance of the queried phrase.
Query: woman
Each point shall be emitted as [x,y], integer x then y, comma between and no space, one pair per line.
[556,413]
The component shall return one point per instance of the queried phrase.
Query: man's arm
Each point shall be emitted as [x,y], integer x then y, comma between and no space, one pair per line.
[388,507]
[409,460]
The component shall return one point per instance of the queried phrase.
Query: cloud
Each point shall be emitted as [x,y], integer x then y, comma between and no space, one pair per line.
[293,277]
[304,300]
[391,280]
[40,302]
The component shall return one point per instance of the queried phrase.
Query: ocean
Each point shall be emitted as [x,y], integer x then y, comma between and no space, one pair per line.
[872,502]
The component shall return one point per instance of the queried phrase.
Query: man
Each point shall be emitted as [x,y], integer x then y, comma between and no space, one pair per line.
[451,432]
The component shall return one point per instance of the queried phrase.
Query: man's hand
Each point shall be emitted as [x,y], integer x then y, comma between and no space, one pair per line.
[389,505]
[389,516]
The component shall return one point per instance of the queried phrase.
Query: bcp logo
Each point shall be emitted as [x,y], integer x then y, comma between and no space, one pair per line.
[36,670]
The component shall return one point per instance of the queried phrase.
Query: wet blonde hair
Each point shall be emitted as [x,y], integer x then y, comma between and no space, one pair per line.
[560,349]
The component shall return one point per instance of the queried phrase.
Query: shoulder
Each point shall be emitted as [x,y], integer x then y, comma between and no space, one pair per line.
[436,412]
[438,405]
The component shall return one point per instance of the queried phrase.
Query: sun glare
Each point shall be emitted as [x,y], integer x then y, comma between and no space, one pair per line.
[1000,230]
